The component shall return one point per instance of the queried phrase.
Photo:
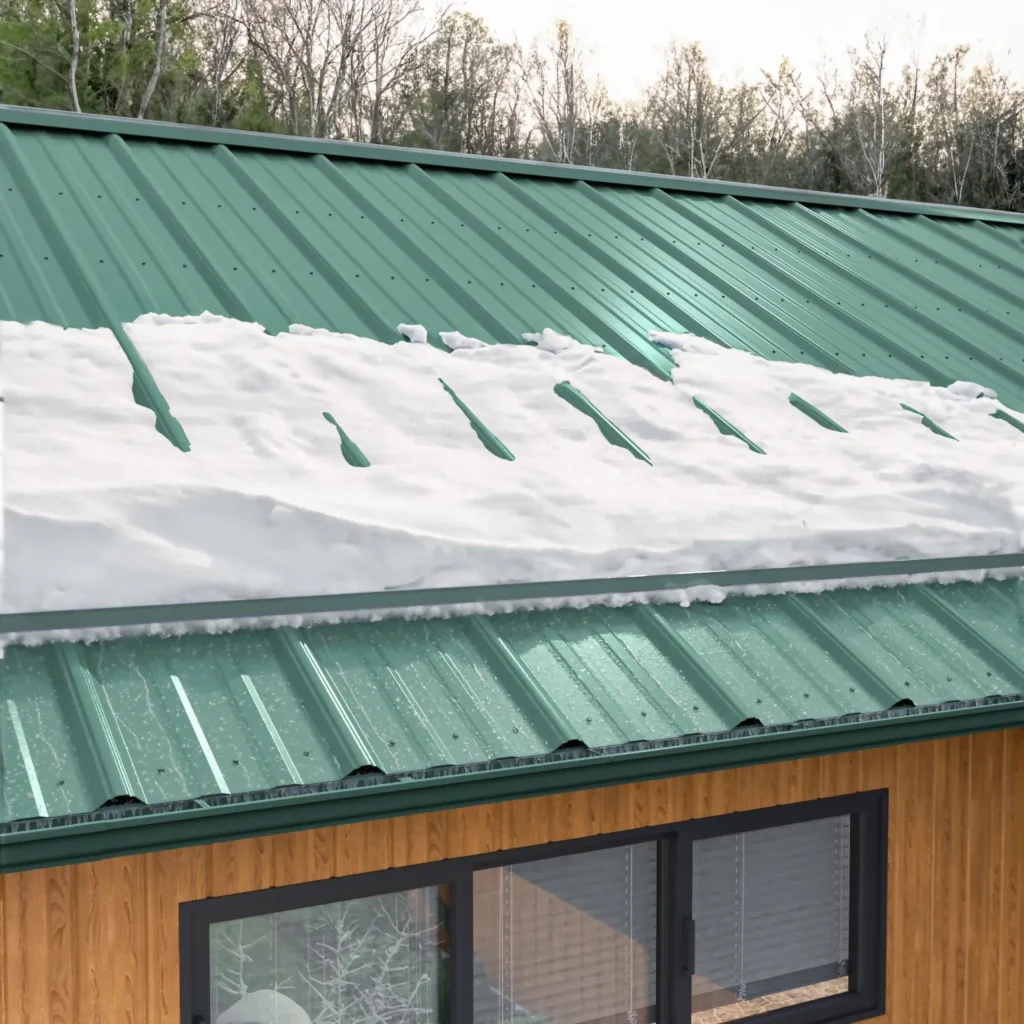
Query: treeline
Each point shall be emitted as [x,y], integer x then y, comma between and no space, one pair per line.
[389,71]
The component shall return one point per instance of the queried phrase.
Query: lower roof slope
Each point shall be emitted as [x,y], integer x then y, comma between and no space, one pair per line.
[171,721]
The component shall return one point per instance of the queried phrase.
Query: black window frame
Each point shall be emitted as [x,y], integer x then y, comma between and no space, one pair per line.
[869,816]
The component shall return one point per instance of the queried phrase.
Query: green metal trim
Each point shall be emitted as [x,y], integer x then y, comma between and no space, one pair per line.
[272,607]
[1002,414]
[352,453]
[612,433]
[928,422]
[819,417]
[725,427]
[32,117]
[488,438]
[146,833]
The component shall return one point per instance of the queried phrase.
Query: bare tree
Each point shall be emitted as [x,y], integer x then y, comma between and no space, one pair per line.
[233,957]
[784,98]
[333,66]
[566,106]
[687,110]
[393,38]
[878,113]
[374,960]
[998,107]
[161,39]
[465,93]
[951,118]
[221,43]
[75,48]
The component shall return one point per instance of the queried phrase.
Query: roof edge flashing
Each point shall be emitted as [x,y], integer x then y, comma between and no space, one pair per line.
[129,829]
[93,624]
[164,131]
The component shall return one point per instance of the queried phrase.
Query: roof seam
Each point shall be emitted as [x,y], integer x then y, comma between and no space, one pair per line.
[145,389]
[229,298]
[920,279]
[328,272]
[885,342]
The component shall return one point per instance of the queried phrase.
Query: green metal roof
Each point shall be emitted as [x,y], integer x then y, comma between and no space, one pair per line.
[167,721]
[102,220]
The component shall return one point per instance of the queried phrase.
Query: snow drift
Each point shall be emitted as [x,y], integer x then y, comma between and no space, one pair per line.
[101,510]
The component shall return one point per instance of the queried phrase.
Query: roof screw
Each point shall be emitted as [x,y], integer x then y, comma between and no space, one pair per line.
[806,695]
[589,719]
[60,782]
[643,714]
[515,728]
[160,771]
[305,753]
[234,760]
[455,735]
[391,743]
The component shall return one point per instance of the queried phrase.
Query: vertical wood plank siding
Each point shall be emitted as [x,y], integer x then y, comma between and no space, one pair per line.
[97,943]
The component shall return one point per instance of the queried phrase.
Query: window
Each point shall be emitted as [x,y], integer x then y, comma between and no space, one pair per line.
[379,958]
[775,915]
[567,940]
[772,914]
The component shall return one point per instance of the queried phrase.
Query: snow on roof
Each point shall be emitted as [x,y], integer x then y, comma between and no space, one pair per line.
[327,463]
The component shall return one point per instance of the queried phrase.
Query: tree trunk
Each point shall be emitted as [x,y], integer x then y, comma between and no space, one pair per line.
[160,38]
[75,46]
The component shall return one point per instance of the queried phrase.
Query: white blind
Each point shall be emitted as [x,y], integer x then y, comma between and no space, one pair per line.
[772,911]
[570,940]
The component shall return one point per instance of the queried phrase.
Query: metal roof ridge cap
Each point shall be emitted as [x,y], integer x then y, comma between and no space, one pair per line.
[494,784]
[38,117]
[15,623]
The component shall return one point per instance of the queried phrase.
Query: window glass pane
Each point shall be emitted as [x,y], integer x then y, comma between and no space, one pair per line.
[378,959]
[772,913]
[570,940]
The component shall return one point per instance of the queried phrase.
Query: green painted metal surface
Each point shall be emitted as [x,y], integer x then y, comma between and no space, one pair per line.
[102,220]
[164,720]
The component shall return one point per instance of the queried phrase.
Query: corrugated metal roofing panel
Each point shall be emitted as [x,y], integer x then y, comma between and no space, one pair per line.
[102,220]
[100,226]
[164,720]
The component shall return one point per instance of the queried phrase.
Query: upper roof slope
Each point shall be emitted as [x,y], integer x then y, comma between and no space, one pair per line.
[103,219]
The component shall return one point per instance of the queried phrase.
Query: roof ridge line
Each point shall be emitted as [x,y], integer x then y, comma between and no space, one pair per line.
[37,117]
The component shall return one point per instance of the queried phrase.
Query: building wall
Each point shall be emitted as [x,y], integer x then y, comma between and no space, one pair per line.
[98,942]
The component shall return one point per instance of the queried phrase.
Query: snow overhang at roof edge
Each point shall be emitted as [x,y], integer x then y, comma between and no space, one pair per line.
[33,117]
[130,829]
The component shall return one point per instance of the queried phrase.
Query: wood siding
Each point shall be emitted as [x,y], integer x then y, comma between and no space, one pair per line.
[98,942]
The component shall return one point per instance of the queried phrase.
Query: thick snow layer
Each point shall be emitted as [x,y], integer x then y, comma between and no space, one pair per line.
[101,510]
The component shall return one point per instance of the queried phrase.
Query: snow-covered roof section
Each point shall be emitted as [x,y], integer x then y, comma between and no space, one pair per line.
[324,463]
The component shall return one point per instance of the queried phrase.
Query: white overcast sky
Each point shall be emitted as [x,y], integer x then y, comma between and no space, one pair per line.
[627,38]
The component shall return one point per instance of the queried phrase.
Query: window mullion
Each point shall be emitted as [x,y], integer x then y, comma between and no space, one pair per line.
[675,898]
[461,966]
